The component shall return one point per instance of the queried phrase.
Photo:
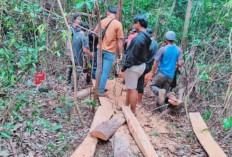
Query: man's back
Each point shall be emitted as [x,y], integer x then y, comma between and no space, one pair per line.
[168,57]
[113,32]
[79,41]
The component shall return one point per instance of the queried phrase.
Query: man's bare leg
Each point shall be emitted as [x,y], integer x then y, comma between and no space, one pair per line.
[127,97]
[133,98]
[140,96]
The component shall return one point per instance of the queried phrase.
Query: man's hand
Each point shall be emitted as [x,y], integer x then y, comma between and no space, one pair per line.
[149,76]
[91,55]
[121,74]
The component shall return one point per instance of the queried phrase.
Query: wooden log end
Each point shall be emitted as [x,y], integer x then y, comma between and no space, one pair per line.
[99,135]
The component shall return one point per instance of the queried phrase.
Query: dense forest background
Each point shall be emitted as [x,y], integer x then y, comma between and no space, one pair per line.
[33,39]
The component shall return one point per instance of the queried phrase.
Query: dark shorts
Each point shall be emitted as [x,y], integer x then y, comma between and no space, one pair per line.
[160,81]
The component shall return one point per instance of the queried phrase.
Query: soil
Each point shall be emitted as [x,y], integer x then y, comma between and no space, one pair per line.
[171,136]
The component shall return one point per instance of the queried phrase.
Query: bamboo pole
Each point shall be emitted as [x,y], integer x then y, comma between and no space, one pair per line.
[73,64]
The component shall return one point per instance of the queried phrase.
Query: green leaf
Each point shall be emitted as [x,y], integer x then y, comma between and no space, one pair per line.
[91,102]
[57,127]
[155,134]
[79,5]
[89,6]
[204,130]
[4,135]
[227,125]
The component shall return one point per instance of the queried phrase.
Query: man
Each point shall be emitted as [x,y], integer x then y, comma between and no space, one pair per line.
[80,46]
[76,20]
[167,59]
[113,38]
[137,56]
[153,48]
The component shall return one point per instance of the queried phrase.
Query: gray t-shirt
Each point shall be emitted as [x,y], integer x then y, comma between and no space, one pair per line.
[79,41]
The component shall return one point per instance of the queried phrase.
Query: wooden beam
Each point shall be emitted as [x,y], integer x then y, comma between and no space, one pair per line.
[204,136]
[138,133]
[106,129]
[121,143]
[88,146]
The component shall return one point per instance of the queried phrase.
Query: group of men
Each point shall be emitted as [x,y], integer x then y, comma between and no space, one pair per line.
[138,53]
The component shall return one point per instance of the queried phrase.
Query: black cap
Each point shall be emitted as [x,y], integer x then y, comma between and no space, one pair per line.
[112,9]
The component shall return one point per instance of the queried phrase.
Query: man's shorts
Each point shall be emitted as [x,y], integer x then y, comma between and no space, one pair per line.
[132,75]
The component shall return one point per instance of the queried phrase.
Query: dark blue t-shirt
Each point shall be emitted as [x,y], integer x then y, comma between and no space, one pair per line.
[168,56]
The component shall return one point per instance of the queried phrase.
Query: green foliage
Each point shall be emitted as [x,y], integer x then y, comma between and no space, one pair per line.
[91,102]
[207,114]
[155,134]
[227,123]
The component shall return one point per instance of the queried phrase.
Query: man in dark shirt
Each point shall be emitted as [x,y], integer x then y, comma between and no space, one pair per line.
[153,48]
[76,20]
[80,46]
[137,56]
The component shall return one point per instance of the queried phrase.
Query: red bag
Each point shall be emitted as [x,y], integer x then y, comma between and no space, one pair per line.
[39,77]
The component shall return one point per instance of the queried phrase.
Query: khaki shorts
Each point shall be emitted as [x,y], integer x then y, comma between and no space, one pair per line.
[132,75]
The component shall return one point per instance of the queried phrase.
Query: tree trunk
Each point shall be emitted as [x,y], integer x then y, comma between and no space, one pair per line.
[173,7]
[158,21]
[106,129]
[99,64]
[132,8]
[83,93]
[119,8]
[186,25]
[121,144]
[88,15]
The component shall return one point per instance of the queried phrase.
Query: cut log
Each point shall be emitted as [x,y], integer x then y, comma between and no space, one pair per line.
[83,93]
[121,144]
[204,136]
[173,100]
[138,133]
[172,97]
[175,103]
[88,146]
[106,129]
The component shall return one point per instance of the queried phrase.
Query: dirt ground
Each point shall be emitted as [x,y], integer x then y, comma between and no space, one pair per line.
[171,136]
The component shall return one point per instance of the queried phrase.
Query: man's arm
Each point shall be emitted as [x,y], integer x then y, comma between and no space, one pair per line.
[96,29]
[120,47]
[86,47]
[134,49]
[86,51]
[179,64]
[155,67]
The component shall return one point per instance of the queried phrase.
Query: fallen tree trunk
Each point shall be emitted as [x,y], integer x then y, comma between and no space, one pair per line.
[138,133]
[83,93]
[88,146]
[204,136]
[121,144]
[106,129]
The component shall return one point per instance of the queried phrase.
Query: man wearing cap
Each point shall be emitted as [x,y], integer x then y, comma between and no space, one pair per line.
[112,40]
[167,59]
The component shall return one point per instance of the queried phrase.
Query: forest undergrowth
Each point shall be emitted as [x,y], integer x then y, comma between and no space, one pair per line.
[42,120]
